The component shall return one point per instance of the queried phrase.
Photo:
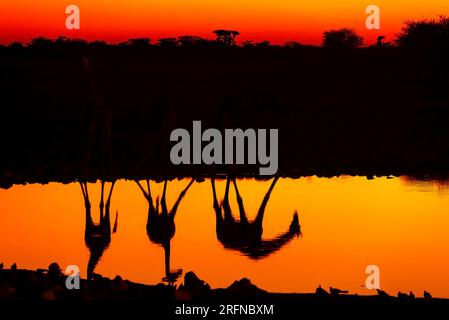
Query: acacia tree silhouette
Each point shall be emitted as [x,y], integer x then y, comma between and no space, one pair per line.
[226,37]
[342,39]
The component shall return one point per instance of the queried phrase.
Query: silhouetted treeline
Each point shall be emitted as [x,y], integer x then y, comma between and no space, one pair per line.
[379,110]
[426,33]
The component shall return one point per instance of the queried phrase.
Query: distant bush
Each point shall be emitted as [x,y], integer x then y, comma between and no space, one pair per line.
[167,42]
[139,43]
[292,44]
[342,39]
[427,33]
[41,43]
[192,41]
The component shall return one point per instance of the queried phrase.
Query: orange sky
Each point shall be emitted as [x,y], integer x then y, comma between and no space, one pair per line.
[273,20]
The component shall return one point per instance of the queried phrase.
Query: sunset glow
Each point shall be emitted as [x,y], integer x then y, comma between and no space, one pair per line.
[276,21]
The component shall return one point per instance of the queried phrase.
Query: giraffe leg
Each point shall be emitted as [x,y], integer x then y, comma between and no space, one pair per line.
[108,202]
[83,190]
[242,212]
[261,212]
[150,199]
[89,222]
[145,194]
[101,200]
[163,199]
[217,208]
[107,218]
[214,193]
[226,206]
[148,187]
[178,201]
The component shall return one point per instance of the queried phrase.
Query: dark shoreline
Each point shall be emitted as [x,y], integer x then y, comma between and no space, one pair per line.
[119,298]
[31,285]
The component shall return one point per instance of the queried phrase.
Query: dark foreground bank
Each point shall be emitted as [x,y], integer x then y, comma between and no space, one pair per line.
[45,290]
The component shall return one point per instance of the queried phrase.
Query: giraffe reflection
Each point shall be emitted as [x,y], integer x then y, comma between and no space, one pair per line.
[97,236]
[161,225]
[98,160]
[245,236]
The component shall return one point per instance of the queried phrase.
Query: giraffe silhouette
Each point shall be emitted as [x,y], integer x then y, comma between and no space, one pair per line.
[97,157]
[97,237]
[161,225]
[98,153]
[243,235]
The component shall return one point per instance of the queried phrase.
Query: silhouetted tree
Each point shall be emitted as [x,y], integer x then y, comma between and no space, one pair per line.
[192,41]
[97,44]
[342,38]
[292,44]
[139,42]
[62,40]
[16,45]
[167,42]
[427,33]
[226,37]
[64,43]
[41,43]
[263,44]
[380,41]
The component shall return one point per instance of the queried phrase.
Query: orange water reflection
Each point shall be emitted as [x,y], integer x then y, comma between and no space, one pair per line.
[347,224]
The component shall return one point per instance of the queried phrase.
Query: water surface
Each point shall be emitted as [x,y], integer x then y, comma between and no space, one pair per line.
[346,223]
